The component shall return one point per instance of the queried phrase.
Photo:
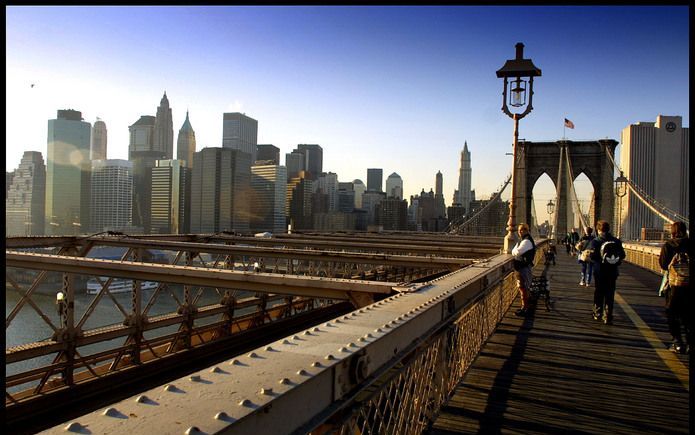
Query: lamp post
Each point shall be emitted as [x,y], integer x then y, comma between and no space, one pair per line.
[521,72]
[620,192]
[551,209]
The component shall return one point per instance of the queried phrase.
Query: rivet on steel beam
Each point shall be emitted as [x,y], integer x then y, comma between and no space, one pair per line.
[378,330]
[267,391]
[221,416]
[352,345]
[362,339]
[296,337]
[316,364]
[302,372]
[284,381]
[338,321]
[353,314]
[74,427]
[142,399]
[215,370]
[316,329]
[329,357]
[111,412]
[253,355]
[245,402]
[194,378]
[369,335]
[234,362]
[328,324]
[344,349]
[269,349]
[192,430]
[285,341]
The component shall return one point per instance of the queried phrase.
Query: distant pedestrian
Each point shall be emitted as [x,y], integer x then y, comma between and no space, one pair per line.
[674,258]
[524,253]
[568,244]
[607,254]
[583,256]
[574,239]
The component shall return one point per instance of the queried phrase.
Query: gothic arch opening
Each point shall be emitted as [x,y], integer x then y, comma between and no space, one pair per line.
[543,191]
[585,199]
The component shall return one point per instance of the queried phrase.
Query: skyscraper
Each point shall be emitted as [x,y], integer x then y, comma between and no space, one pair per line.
[239,132]
[268,153]
[313,159]
[26,197]
[111,194]
[163,138]
[439,194]
[392,214]
[375,178]
[655,156]
[299,195]
[268,203]
[295,163]
[98,149]
[359,188]
[220,189]
[185,144]
[67,174]
[170,197]
[144,156]
[394,186]
[464,186]
[328,183]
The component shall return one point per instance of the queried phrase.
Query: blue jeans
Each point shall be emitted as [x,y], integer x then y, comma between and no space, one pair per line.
[587,269]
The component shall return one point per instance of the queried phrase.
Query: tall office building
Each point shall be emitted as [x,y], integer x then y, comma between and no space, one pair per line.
[98,149]
[299,201]
[392,214]
[295,163]
[144,155]
[26,197]
[327,183]
[439,194]
[220,189]
[239,132]
[269,199]
[394,186]
[370,201]
[464,186]
[8,181]
[163,137]
[655,156]
[313,159]
[359,188]
[170,197]
[111,195]
[346,197]
[185,144]
[268,153]
[375,178]
[67,174]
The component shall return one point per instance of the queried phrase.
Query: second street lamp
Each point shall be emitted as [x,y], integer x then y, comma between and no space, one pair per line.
[521,71]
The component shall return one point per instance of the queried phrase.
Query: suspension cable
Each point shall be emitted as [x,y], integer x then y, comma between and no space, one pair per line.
[647,200]
[570,174]
[457,227]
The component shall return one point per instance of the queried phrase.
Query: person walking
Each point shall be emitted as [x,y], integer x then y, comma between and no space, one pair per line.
[568,243]
[607,254]
[584,257]
[524,253]
[574,239]
[675,254]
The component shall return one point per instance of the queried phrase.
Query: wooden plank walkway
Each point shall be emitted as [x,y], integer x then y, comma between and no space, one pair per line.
[561,372]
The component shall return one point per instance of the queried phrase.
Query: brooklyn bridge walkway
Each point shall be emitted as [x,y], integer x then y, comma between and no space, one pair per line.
[560,371]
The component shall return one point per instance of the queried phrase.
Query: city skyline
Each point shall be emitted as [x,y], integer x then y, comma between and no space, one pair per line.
[367,84]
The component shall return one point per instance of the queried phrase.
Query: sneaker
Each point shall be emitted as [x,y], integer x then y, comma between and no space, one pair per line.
[596,316]
[607,321]
[676,348]
[521,312]
[582,282]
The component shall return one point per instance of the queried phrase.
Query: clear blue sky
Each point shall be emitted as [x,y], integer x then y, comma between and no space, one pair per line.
[399,88]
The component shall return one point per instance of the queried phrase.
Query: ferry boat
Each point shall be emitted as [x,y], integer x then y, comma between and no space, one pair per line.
[118,285]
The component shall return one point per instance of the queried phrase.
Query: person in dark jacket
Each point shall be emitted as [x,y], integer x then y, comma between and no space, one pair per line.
[587,265]
[678,298]
[574,238]
[607,253]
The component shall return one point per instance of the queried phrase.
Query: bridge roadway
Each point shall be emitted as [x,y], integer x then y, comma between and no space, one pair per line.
[563,372]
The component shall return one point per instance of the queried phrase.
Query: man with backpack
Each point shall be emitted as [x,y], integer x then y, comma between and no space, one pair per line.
[524,253]
[607,253]
[675,258]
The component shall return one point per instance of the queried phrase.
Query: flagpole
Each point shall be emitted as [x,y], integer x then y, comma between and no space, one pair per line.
[564,130]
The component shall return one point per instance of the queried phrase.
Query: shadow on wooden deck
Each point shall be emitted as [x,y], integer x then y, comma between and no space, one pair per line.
[560,371]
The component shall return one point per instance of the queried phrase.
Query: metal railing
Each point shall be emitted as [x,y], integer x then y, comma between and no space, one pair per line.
[384,368]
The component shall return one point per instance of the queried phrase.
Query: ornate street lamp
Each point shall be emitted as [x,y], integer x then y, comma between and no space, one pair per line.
[621,185]
[521,72]
[620,191]
[551,209]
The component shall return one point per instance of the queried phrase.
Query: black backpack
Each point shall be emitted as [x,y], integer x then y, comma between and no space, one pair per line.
[610,253]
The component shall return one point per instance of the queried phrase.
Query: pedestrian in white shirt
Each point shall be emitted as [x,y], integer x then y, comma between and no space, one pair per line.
[524,253]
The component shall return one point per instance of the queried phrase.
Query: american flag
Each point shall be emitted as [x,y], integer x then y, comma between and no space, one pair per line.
[568,123]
